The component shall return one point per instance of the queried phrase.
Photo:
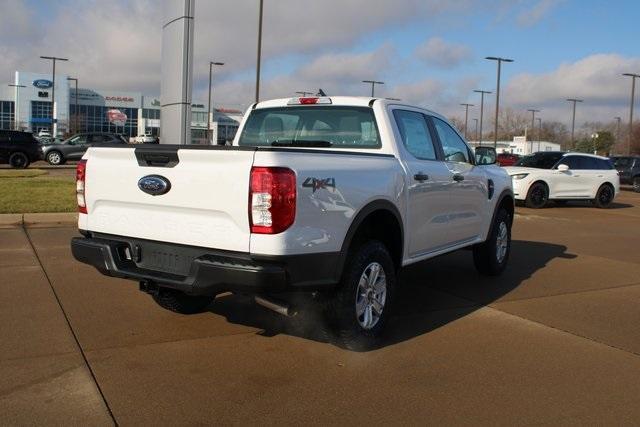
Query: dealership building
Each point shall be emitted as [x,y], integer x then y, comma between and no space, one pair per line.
[29,108]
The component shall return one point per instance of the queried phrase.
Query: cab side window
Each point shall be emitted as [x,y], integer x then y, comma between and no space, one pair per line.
[415,134]
[455,150]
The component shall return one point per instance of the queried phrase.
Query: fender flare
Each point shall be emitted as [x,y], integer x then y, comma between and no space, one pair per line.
[505,193]
[376,205]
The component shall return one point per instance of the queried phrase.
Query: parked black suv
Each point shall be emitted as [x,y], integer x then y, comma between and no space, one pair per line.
[57,153]
[629,171]
[18,149]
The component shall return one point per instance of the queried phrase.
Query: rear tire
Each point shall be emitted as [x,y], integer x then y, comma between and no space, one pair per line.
[19,160]
[179,302]
[604,196]
[491,256]
[636,184]
[537,196]
[359,308]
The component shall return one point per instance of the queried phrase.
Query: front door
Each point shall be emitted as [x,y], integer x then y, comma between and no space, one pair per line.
[573,183]
[468,198]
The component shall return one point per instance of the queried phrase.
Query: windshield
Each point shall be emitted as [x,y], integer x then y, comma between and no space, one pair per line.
[339,127]
[540,160]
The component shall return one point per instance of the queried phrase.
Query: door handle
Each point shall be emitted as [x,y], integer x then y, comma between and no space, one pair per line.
[458,177]
[421,176]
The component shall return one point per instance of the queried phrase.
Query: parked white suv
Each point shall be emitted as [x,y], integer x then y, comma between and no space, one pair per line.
[324,196]
[560,176]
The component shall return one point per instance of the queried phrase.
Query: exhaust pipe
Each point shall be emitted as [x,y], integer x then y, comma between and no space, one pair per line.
[279,307]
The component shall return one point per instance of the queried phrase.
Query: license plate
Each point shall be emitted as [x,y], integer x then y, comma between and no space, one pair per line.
[165,261]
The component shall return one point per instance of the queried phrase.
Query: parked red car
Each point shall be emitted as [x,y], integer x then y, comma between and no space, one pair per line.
[507,159]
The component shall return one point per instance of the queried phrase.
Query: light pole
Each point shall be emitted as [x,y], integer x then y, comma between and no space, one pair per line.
[304,93]
[481,92]
[633,94]
[500,61]
[15,106]
[476,132]
[573,117]
[259,51]
[373,85]
[211,64]
[533,124]
[466,117]
[617,119]
[54,119]
[539,131]
[76,103]
[594,138]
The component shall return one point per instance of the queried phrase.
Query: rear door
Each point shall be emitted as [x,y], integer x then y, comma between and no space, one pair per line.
[206,205]
[5,139]
[468,186]
[428,181]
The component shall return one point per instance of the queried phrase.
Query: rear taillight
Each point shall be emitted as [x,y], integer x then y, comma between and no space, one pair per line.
[81,176]
[272,199]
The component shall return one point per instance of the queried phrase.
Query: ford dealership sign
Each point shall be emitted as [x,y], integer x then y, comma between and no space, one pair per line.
[42,83]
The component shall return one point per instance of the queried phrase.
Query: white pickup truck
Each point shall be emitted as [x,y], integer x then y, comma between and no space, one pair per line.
[325,195]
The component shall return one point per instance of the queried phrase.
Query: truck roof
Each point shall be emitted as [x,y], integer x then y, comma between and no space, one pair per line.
[357,101]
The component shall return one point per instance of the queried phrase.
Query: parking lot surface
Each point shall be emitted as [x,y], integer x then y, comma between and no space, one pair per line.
[555,340]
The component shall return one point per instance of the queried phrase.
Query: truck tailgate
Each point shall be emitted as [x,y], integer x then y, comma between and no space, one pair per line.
[207,204]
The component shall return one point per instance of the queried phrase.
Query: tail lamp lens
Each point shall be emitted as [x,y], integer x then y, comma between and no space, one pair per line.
[81,175]
[272,199]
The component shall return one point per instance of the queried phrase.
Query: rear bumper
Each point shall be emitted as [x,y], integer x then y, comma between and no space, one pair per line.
[201,271]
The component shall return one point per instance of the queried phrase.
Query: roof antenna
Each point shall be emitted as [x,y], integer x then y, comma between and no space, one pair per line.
[321,93]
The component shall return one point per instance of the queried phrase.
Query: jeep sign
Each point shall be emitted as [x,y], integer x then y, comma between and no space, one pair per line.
[43,84]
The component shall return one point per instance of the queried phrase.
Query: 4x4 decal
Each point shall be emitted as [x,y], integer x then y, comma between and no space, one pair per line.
[317,184]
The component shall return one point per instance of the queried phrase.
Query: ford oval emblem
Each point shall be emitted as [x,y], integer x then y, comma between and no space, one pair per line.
[155,185]
[43,83]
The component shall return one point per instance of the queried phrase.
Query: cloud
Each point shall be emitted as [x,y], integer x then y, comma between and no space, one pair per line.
[336,73]
[116,44]
[536,13]
[439,53]
[596,78]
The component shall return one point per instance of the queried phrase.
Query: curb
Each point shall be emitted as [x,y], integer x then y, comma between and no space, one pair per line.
[39,220]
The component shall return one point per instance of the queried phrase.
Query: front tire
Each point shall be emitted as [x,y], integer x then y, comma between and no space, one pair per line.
[491,256]
[537,196]
[179,302]
[55,158]
[604,196]
[19,160]
[636,184]
[359,309]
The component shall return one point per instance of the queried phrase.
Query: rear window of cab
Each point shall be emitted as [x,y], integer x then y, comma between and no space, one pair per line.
[312,126]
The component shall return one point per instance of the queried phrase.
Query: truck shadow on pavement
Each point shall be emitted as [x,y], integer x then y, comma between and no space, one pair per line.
[431,294]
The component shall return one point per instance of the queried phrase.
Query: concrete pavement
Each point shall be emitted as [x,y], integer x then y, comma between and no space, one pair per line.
[555,340]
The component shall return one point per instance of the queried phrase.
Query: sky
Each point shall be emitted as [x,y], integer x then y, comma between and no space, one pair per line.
[428,52]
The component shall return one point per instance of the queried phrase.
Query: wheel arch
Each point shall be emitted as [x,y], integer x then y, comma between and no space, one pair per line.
[390,232]
[507,201]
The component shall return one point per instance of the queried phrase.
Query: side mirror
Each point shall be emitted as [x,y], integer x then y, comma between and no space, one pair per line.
[563,168]
[485,156]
